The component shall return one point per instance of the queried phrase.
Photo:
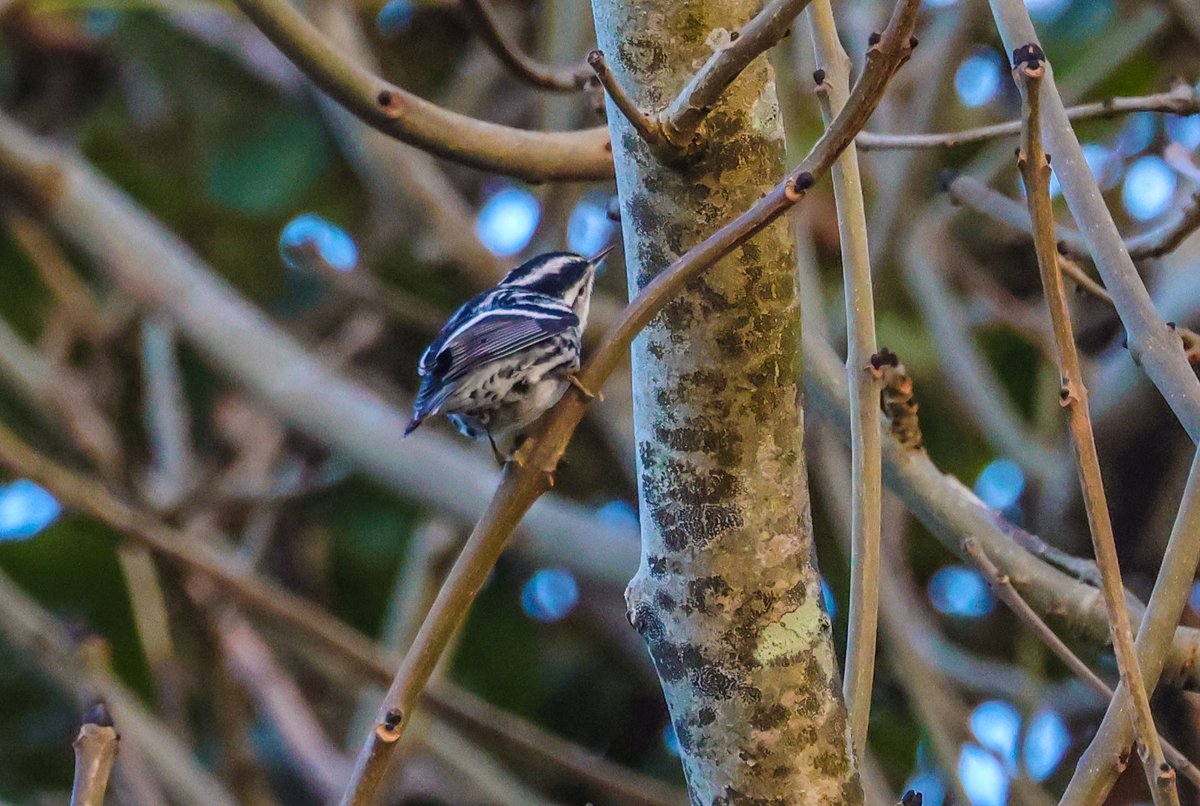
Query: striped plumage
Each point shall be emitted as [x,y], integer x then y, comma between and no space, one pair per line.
[506,355]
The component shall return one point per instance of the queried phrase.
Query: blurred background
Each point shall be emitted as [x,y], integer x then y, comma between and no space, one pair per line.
[358,247]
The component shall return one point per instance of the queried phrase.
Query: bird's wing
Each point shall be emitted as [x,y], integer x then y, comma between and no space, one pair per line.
[492,335]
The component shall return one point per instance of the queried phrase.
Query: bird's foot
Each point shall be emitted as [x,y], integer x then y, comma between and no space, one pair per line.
[588,393]
[522,445]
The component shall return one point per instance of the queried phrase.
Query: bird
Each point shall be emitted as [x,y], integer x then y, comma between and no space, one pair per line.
[507,355]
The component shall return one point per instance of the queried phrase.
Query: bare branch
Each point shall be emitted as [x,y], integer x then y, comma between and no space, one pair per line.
[519,63]
[1156,242]
[681,121]
[522,484]
[646,127]
[833,86]
[536,156]
[1181,99]
[95,751]
[1028,72]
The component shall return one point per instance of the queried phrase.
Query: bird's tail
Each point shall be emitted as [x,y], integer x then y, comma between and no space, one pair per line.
[414,423]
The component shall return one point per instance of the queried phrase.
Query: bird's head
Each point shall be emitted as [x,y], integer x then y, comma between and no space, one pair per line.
[562,275]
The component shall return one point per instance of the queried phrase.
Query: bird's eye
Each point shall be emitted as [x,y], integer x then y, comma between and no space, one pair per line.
[444,360]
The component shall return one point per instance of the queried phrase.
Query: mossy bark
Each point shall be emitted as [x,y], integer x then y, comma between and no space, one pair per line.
[727,597]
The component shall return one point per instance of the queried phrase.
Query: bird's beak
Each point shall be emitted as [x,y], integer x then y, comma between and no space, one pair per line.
[604,253]
[599,258]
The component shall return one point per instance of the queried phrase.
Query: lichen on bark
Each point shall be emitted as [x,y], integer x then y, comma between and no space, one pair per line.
[727,596]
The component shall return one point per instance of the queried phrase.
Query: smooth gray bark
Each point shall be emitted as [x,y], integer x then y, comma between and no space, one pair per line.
[727,595]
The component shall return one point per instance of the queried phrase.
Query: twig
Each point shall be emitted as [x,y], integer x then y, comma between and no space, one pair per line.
[1152,243]
[977,196]
[1028,71]
[161,272]
[523,483]
[1181,99]
[1151,342]
[675,133]
[1002,586]
[897,400]
[280,700]
[833,85]
[646,127]
[680,123]
[58,396]
[57,274]
[536,156]
[519,63]
[95,751]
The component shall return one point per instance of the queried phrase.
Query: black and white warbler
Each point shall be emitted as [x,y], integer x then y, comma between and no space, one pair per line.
[508,355]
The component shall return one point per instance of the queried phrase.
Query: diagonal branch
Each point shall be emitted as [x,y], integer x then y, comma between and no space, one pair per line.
[536,156]
[301,617]
[522,484]
[1181,99]
[519,63]
[1028,71]
[833,85]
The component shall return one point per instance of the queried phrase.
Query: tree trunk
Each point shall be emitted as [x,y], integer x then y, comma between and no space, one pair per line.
[727,596]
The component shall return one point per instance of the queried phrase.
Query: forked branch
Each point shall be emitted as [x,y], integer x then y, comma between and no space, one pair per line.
[675,133]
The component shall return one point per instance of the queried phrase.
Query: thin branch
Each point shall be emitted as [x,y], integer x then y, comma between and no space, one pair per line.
[1028,71]
[536,156]
[1152,344]
[1155,242]
[95,751]
[527,479]
[519,63]
[281,701]
[646,127]
[949,509]
[1002,586]
[1181,99]
[833,86]
[675,132]
[1096,773]
[680,123]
